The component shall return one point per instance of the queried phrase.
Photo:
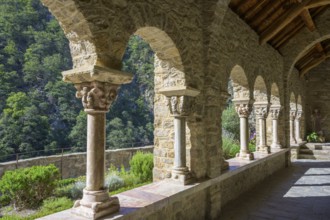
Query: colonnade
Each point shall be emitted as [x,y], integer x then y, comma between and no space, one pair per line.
[262,110]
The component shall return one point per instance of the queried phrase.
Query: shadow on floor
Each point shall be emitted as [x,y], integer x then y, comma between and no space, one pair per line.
[300,192]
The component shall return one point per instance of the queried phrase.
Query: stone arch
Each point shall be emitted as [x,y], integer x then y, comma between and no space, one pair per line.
[168,61]
[260,90]
[239,81]
[168,72]
[275,94]
[293,101]
[99,31]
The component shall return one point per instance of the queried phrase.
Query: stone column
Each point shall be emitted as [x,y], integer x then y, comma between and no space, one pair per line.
[97,94]
[297,125]
[292,133]
[261,112]
[179,102]
[274,113]
[243,109]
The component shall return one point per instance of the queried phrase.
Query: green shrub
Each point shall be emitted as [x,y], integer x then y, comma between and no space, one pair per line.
[142,165]
[230,122]
[114,182]
[28,187]
[313,137]
[229,147]
[76,191]
[4,200]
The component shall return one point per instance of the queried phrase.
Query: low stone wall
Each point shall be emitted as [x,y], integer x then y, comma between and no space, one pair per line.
[202,200]
[74,165]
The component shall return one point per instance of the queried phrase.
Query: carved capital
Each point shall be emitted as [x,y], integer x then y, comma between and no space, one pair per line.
[242,107]
[96,96]
[274,111]
[179,105]
[298,114]
[292,114]
[261,109]
[180,99]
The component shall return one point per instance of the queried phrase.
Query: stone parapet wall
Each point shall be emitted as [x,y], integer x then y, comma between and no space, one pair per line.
[74,165]
[201,200]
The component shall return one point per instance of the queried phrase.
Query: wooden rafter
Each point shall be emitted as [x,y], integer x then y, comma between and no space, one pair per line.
[312,64]
[273,5]
[282,22]
[308,20]
[289,16]
[254,10]
[317,3]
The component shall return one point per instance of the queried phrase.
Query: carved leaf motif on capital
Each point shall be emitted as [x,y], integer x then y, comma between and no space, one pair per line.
[261,111]
[96,96]
[179,105]
[274,113]
[292,114]
[243,110]
[298,115]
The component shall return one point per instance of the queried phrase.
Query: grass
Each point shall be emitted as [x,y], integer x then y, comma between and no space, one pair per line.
[49,206]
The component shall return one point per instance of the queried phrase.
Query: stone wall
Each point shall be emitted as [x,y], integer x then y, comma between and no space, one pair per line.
[318,87]
[74,165]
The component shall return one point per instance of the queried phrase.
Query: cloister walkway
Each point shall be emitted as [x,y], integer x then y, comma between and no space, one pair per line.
[300,192]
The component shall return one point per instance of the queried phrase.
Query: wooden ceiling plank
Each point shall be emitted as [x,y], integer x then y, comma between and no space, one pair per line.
[308,20]
[286,35]
[254,10]
[264,13]
[317,3]
[311,65]
[245,6]
[282,22]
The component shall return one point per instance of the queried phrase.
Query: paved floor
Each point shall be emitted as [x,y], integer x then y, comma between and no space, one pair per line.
[301,192]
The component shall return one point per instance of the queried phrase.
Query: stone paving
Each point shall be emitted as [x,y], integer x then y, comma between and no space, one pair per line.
[300,192]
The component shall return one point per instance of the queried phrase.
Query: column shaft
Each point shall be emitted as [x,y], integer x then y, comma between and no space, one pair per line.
[297,130]
[179,142]
[95,151]
[292,138]
[262,132]
[244,135]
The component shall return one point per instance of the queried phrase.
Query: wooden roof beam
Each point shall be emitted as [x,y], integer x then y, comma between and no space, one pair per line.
[317,3]
[282,22]
[308,20]
[288,17]
[312,64]
[319,47]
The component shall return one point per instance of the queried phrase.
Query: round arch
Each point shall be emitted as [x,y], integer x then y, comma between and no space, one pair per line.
[239,83]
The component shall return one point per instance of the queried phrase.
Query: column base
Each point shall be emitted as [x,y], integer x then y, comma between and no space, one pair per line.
[182,176]
[95,204]
[276,145]
[245,156]
[263,149]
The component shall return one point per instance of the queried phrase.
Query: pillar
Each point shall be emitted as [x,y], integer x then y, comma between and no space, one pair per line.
[180,103]
[97,95]
[243,109]
[261,112]
[297,126]
[274,114]
[292,117]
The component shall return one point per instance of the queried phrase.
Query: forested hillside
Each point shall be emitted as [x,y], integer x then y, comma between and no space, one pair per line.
[40,112]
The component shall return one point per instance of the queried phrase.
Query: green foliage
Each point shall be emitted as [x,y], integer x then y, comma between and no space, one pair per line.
[72,190]
[48,207]
[28,187]
[313,137]
[230,122]
[142,165]
[78,134]
[114,182]
[230,147]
